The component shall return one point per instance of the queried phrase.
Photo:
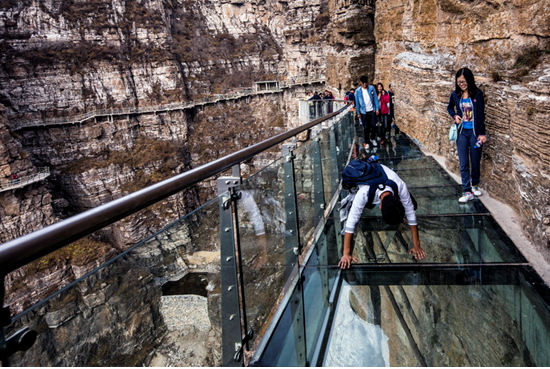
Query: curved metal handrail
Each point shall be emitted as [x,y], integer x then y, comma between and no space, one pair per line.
[23,250]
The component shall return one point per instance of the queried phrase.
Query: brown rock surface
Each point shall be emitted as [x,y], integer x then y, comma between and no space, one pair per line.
[421,45]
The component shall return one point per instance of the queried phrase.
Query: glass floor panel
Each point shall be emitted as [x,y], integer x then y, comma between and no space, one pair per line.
[456,240]
[435,200]
[414,163]
[482,316]
[429,176]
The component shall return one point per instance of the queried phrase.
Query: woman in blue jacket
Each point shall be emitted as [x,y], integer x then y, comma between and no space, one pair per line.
[466,105]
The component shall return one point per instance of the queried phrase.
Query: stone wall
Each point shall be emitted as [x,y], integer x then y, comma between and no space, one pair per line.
[421,45]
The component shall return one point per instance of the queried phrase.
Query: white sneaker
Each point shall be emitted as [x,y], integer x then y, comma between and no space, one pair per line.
[477,191]
[466,196]
[366,146]
[374,144]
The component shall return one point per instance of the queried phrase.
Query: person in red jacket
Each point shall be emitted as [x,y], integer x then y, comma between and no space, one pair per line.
[384,99]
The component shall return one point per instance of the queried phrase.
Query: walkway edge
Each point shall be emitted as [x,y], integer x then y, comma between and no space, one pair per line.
[510,222]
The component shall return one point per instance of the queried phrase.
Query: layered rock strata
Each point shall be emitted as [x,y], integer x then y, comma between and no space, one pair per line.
[421,45]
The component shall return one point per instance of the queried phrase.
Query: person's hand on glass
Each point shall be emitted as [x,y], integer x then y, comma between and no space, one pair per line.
[346,260]
[417,252]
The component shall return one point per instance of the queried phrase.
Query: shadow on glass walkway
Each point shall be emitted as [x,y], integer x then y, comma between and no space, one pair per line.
[279,298]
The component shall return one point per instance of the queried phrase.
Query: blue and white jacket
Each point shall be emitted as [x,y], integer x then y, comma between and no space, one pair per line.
[360,103]
[479,111]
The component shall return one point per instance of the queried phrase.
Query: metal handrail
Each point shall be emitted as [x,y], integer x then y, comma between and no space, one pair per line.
[23,250]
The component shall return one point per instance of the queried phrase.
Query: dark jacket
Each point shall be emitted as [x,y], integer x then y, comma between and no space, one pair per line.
[479,111]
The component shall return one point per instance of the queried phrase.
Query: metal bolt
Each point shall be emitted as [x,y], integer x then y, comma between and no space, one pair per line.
[230,288]
[232,316]
[229,258]
[227,182]
[227,229]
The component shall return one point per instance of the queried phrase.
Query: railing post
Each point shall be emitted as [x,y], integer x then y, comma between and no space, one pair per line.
[298,323]
[318,187]
[334,162]
[293,247]
[232,341]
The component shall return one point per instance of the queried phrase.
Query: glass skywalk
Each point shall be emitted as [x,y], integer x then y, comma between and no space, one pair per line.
[473,301]
[269,246]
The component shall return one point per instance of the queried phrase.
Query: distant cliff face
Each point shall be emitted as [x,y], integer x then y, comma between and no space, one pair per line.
[21,211]
[62,57]
[421,45]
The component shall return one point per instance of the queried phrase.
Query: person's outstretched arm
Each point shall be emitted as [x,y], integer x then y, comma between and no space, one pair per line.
[416,251]
[345,261]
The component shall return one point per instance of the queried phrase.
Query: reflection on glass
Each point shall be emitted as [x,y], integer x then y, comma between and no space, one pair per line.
[116,314]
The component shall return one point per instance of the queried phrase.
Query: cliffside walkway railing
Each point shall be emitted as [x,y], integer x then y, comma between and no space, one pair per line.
[22,181]
[276,238]
[161,108]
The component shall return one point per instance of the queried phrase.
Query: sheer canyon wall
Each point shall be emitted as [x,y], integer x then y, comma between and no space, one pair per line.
[419,47]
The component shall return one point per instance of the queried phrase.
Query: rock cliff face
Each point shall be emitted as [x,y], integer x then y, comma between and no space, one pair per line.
[421,45]
[62,57]
[22,210]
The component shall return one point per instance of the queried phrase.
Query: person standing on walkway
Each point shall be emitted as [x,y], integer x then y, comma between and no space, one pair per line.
[466,106]
[366,103]
[383,117]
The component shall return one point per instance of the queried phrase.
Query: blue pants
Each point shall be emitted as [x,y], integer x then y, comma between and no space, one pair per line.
[468,155]
[368,121]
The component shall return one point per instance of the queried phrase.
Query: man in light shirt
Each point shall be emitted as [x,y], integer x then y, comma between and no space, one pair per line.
[366,102]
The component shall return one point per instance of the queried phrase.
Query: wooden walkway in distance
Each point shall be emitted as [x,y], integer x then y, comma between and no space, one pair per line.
[20,182]
[162,108]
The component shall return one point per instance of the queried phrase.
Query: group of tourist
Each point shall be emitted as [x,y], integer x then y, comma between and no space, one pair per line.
[374,107]
[317,103]
[375,110]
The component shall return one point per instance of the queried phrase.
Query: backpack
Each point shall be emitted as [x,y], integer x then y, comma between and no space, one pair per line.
[369,172]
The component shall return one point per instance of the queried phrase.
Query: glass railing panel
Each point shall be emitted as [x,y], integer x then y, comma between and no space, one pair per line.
[319,282]
[484,316]
[329,166]
[286,346]
[116,314]
[262,228]
[437,201]
[456,239]
[344,131]
[305,191]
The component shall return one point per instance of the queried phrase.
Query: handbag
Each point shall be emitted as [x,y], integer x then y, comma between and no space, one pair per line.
[453,131]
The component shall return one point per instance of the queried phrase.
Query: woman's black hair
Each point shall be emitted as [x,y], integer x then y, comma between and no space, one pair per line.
[469,76]
[392,210]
